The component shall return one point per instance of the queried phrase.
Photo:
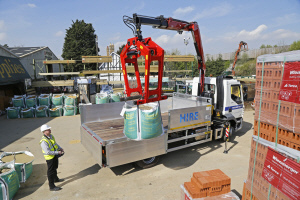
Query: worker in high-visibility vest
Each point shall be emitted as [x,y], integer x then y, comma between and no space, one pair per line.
[51,151]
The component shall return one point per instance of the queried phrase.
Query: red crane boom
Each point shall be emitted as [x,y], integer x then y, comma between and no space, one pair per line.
[138,46]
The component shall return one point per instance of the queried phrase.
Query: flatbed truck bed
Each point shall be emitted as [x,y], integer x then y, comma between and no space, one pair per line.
[102,131]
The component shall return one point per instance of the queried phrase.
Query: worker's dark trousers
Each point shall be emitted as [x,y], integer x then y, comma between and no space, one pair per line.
[52,171]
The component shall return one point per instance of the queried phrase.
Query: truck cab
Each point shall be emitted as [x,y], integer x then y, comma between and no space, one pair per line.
[227,99]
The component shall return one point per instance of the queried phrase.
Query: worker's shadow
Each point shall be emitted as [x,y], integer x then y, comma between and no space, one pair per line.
[34,182]
[88,171]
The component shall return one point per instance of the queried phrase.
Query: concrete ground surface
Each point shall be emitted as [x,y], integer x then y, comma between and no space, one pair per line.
[84,179]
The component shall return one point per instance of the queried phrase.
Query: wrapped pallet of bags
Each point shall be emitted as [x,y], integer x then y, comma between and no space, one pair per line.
[55,111]
[13,112]
[27,112]
[115,98]
[143,121]
[70,100]
[44,100]
[57,99]
[22,162]
[102,98]
[9,181]
[31,101]
[18,101]
[70,110]
[41,111]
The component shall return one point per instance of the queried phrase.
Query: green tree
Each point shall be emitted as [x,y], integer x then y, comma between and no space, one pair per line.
[246,69]
[215,67]
[262,46]
[120,49]
[265,46]
[295,46]
[79,41]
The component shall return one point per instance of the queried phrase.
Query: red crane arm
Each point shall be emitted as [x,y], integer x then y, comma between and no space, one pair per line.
[242,45]
[138,46]
[176,25]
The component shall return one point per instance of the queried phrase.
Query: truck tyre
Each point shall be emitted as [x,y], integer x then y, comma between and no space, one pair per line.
[147,163]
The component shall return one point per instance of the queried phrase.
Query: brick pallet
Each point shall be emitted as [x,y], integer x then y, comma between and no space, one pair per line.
[208,183]
[266,121]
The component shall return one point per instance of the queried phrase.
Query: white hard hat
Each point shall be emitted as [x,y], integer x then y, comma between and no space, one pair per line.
[45,127]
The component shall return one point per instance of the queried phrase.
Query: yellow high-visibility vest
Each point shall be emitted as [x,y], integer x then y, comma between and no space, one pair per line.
[52,145]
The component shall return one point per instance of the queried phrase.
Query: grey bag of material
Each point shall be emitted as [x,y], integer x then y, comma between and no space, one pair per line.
[31,101]
[44,100]
[9,181]
[13,113]
[142,122]
[70,100]
[18,101]
[27,113]
[70,110]
[22,162]
[115,98]
[55,111]
[102,98]
[41,111]
[57,99]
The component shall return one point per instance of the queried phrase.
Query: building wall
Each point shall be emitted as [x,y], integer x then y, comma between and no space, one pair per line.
[251,53]
[38,58]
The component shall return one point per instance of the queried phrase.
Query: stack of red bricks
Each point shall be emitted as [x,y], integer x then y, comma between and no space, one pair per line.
[289,113]
[208,184]
[288,133]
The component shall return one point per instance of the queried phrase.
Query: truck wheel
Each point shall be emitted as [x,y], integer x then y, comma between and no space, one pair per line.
[147,163]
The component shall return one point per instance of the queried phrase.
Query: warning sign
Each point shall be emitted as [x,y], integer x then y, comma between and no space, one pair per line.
[290,85]
[283,173]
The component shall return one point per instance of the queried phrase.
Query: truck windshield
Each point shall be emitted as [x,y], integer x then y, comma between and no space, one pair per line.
[236,94]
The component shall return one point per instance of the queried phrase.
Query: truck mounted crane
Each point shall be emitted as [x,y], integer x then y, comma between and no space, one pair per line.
[214,108]
[139,46]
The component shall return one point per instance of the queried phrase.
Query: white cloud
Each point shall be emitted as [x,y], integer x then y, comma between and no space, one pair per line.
[118,44]
[261,34]
[31,5]
[2,36]
[59,33]
[182,11]
[251,35]
[217,11]
[172,42]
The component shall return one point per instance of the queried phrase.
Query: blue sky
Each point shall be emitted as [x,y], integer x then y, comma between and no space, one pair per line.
[223,24]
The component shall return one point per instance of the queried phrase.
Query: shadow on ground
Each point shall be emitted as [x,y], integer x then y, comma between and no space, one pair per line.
[86,172]
[187,156]
[34,182]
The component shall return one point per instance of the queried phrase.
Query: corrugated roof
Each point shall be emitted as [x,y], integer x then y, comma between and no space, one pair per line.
[24,51]
[7,50]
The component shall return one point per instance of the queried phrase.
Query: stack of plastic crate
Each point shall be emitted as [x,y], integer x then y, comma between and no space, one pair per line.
[276,129]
